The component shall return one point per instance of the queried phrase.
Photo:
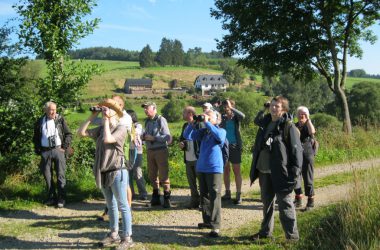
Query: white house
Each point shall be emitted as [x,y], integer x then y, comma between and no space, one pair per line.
[210,83]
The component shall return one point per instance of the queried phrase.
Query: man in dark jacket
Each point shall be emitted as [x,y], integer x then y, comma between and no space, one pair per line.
[51,139]
[277,161]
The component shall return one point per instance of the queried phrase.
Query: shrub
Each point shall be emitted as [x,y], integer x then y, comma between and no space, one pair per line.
[364,104]
[172,111]
[323,121]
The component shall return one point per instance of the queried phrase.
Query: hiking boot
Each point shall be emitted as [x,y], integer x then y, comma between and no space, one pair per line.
[214,233]
[50,202]
[238,199]
[227,195]
[61,203]
[125,243]
[109,240]
[204,225]
[167,203]
[258,236]
[309,204]
[298,201]
[155,198]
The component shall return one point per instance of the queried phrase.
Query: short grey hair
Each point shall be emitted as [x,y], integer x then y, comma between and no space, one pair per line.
[47,104]
[303,109]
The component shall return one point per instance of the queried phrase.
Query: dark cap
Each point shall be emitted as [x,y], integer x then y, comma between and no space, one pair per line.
[147,104]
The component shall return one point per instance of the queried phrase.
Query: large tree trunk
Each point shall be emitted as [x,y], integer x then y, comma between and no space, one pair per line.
[347,127]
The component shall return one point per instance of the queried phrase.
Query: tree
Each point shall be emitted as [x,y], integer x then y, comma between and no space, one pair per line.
[357,73]
[18,108]
[178,55]
[51,29]
[234,74]
[146,57]
[298,37]
[314,94]
[164,54]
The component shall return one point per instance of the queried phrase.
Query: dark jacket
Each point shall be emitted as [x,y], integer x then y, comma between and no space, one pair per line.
[196,143]
[63,133]
[286,157]
[238,116]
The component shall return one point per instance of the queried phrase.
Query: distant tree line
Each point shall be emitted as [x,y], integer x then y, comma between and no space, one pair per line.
[362,73]
[170,53]
[105,53]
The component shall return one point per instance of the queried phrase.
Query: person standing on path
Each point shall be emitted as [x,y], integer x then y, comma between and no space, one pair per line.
[209,168]
[157,136]
[231,121]
[136,158]
[191,153]
[52,137]
[307,132]
[110,171]
[277,161]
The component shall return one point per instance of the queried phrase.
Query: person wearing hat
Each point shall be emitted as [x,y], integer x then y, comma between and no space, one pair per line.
[157,137]
[110,171]
[52,137]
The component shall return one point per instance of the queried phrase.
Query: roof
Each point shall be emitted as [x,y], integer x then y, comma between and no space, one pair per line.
[211,79]
[139,82]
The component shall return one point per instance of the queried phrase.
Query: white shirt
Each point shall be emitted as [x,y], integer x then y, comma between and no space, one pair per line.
[49,129]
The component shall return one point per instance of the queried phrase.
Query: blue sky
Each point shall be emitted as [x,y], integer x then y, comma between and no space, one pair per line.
[132,24]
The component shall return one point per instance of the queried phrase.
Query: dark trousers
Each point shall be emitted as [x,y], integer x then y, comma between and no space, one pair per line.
[192,180]
[307,176]
[285,207]
[210,186]
[54,157]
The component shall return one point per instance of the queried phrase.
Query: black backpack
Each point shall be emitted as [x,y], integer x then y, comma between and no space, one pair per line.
[225,151]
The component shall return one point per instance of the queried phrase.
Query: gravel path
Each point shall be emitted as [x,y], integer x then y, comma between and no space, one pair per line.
[75,227]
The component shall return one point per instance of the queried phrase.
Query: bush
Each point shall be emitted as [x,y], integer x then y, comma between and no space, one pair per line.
[172,111]
[323,121]
[364,104]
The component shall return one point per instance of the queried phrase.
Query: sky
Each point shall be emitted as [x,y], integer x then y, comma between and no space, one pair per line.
[132,24]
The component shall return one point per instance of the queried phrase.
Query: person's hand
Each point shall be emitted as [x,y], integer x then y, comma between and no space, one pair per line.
[181,145]
[207,118]
[228,104]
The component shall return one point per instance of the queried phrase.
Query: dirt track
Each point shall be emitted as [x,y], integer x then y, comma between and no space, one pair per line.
[75,227]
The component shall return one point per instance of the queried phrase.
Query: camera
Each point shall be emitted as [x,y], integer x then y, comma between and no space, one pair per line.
[51,140]
[267,104]
[199,118]
[185,145]
[96,109]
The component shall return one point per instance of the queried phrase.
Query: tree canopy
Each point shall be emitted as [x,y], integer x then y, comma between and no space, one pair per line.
[298,37]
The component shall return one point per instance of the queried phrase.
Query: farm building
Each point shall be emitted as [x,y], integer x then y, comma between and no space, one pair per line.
[142,85]
[210,83]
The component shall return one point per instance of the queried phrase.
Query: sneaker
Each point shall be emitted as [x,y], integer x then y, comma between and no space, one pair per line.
[109,240]
[214,233]
[143,197]
[50,202]
[227,195]
[238,199]
[204,225]
[298,201]
[125,243]
[167,203]
[309,204]
[193,205]
[61,203]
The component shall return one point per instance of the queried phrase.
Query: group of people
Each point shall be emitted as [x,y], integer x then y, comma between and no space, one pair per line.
[212,145]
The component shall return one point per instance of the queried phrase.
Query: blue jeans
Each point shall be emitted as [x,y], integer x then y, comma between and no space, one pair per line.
[116,198]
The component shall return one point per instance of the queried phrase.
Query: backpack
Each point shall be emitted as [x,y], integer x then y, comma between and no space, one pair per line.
[315,145]
[225,151]
[287,126]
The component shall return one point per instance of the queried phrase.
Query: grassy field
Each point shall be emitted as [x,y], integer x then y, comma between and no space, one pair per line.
[352,80]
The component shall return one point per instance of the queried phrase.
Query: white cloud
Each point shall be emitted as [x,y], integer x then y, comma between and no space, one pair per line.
[124,28]
[6,9]
[137,12]
[152,1]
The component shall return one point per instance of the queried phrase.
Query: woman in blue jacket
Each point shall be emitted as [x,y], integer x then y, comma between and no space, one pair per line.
[209,169]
